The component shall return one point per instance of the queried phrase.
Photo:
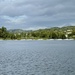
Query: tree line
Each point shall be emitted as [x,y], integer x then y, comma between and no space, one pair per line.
[55,33]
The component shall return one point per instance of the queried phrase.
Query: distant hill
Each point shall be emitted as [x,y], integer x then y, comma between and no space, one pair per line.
[66,32]
[15,30]
[65,28]
[18,30]
[68,28]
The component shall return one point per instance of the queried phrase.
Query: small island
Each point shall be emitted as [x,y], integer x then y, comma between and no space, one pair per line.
[67,32]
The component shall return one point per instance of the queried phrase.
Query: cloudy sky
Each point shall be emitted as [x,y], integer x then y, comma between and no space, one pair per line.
[35,14]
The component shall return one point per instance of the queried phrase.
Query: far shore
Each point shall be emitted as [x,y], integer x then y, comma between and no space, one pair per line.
[35,39]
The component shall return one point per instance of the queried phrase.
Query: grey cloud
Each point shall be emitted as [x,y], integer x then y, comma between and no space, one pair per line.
[38,12]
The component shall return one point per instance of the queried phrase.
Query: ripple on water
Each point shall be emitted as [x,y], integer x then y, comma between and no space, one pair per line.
[37,58]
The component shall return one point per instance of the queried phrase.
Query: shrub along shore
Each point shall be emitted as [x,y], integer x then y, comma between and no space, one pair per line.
[56,33]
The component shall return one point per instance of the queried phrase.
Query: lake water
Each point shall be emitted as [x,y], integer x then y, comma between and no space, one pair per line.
[41,57]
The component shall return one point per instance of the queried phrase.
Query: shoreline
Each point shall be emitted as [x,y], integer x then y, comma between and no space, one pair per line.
[32,39]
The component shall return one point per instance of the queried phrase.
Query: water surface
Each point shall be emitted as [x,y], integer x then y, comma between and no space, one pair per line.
[45,57]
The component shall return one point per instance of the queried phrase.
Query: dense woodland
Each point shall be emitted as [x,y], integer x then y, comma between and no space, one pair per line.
[67,32]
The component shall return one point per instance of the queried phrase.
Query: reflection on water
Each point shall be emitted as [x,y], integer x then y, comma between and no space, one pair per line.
[37,57]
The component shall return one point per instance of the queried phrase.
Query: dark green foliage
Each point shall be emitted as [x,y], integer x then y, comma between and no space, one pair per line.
[3,33]
[51,33]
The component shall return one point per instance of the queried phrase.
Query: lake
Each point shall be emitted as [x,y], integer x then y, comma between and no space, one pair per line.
[37,57]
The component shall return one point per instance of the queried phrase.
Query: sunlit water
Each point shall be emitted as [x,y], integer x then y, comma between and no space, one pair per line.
[43,57]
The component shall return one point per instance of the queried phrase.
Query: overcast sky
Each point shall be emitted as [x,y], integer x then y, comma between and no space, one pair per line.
[35,14]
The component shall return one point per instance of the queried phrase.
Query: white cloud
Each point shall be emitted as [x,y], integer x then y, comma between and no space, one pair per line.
[37,12]
[15,20]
